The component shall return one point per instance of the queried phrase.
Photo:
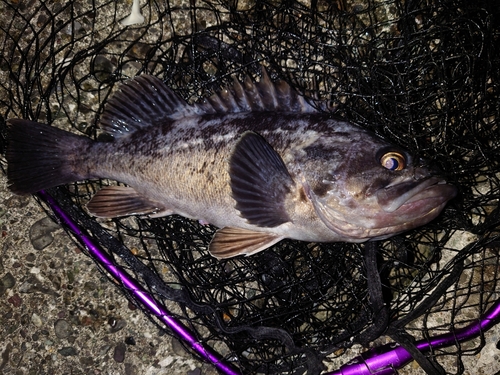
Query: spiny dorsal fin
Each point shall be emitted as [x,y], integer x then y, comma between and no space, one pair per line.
[117,201]
[140,102]
[146,100]
[262,96]
[260,181]
[229,242]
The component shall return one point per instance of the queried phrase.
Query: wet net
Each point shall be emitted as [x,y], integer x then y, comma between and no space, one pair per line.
[423,74]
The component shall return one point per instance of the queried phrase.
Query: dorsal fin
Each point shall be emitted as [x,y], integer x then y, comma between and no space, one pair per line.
[140,102]
[146,100]
[262,96]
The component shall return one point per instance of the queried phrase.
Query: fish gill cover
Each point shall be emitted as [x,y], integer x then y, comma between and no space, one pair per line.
[423,74]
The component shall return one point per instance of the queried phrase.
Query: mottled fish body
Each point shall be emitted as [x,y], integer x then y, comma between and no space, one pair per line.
[256,160]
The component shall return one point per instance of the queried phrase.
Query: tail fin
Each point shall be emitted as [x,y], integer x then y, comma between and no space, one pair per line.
[40,156]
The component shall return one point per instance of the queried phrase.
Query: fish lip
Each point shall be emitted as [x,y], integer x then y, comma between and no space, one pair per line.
[434,191]
[396,196]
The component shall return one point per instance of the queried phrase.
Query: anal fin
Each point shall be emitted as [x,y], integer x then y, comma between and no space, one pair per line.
[117,201]
[229,242]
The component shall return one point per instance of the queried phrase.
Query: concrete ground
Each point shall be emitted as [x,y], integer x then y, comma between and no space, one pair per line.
[60,315]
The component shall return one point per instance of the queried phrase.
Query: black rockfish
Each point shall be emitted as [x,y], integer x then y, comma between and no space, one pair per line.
[256,160]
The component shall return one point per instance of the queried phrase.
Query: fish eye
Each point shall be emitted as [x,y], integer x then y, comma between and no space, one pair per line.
[393,161]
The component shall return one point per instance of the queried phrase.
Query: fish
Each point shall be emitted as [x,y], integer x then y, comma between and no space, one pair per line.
[256,160]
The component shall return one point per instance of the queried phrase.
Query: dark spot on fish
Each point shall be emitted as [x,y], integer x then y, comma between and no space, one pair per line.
[351,203]
[203,168]
[105,137]
[321,151]
[321,189]
[303,195]
[376,183]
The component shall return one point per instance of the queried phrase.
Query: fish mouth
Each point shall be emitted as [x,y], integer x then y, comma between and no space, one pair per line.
[424,193]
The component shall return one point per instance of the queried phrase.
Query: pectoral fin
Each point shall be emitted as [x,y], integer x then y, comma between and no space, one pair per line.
[260,182]
[116,201]
[229,242]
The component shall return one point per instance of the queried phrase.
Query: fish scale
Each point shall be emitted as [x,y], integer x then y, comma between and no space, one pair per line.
[256,160]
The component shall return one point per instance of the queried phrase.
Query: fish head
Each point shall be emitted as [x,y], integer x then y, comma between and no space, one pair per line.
[367,189]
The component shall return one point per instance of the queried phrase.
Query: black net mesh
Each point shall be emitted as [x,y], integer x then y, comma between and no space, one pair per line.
[423,74]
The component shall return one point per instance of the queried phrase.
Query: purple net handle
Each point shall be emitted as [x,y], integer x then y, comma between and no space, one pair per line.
[145,298]
[385,359]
